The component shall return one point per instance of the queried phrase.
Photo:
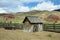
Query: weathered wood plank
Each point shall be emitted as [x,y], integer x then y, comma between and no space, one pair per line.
[51,27]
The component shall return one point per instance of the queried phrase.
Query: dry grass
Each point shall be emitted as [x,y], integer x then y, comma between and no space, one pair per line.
[20,35]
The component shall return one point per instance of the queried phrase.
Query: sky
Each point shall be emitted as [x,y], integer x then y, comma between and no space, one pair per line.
[9,6]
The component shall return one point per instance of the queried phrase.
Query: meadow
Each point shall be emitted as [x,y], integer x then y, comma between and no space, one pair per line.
[20,35]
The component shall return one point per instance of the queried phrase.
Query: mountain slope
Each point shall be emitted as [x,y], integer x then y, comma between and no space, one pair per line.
[19,16]
[57,10]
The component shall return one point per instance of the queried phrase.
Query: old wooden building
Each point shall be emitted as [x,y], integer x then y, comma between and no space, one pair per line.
[32,24]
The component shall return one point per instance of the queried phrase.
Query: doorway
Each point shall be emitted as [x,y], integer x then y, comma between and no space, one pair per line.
[35,28]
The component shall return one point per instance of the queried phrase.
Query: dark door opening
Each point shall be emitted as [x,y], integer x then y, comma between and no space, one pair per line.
[35,28]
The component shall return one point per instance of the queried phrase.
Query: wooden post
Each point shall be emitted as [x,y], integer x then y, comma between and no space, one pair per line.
[54,26]
[43,26]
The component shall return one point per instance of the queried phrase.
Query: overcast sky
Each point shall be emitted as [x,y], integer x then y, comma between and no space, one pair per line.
[7,6]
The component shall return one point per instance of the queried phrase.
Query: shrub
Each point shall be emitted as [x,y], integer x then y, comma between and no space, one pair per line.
[49,35]
[18,26]
[53,18]
[10,24]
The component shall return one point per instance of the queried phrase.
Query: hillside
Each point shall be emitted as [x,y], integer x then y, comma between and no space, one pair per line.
[19,16]
[41,14]
[57,10]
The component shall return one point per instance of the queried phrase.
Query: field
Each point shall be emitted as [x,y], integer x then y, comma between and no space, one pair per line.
[20,35]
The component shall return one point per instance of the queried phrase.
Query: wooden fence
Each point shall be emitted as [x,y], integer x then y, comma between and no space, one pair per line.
[11,25]
[51,27]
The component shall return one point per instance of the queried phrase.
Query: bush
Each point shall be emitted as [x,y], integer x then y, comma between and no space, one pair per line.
[18,26]
[10,24]
[49,35]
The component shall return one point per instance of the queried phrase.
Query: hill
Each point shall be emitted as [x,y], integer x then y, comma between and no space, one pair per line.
[19,16]
[57,10]
[41,14]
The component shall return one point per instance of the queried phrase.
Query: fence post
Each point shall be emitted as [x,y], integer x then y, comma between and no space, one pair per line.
[43,26]
[54,26]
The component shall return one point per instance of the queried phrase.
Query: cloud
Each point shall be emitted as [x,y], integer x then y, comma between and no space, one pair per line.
[18,9]
[46,6]
[31,1]
[18,5]
[23,9]
[2,10]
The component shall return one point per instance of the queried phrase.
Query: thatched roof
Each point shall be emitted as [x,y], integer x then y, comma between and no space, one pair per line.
[33,19]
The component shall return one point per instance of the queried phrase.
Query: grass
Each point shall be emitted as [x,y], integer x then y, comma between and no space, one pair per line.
[20,35]
[42,14]
[19,17]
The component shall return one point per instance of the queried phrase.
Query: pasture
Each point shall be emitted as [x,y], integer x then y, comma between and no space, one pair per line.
[20,35]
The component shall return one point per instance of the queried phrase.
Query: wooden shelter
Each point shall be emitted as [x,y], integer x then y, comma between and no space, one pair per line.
[32,24]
